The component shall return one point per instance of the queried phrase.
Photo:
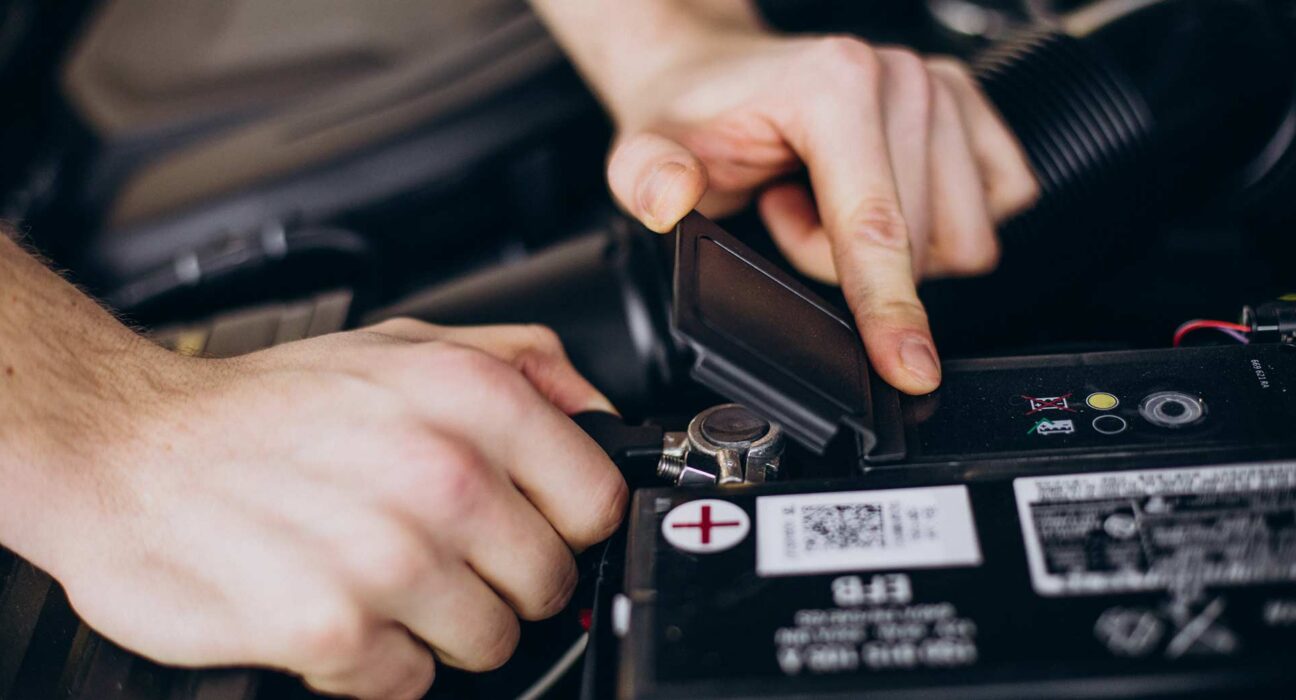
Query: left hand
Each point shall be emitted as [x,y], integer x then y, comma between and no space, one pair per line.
[911,169]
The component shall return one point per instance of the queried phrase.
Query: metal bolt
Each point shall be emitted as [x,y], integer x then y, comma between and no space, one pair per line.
[670,467]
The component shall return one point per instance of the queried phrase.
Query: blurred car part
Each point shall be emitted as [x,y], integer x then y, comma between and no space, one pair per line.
[603,292]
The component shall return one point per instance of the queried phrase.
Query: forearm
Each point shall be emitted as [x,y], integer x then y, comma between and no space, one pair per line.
[621,46]
[68,372]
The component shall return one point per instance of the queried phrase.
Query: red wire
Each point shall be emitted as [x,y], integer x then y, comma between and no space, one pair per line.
[1199,324]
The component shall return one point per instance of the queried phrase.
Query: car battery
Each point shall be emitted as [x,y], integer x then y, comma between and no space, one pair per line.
[1091,583]
[1105,524]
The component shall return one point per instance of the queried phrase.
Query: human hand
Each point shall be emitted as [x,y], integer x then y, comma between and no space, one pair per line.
[911,169]
[336,506]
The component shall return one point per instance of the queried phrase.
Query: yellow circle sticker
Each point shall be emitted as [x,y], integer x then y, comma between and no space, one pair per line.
[1102,401]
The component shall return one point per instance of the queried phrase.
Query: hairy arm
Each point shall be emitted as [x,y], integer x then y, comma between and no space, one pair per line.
[355,508]
[71,378]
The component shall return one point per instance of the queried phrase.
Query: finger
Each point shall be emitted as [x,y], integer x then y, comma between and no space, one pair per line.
[462,619]
[542,359]
[907,100]
[535,350]
[496,530]
[655,179]
[789,213]
[839,131]
[393,665]
[1010,184]
[489,405]
[520,555]
[963,236]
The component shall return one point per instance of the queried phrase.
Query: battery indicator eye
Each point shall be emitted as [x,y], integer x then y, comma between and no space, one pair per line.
[1172,409]
[1102,401]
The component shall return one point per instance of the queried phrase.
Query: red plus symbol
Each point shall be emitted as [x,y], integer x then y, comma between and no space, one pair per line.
[705,524]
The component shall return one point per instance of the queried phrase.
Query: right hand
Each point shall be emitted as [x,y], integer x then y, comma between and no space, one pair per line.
[343,507]
[910,168]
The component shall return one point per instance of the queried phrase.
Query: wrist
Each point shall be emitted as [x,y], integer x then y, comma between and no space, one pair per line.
[627,51]
[73,440]
[75,386]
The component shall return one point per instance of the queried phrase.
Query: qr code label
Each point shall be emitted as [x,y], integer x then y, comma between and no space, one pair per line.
[841,526]
[865,530]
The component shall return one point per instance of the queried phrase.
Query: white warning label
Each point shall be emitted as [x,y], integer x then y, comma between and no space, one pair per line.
[1159,529]
[865,530]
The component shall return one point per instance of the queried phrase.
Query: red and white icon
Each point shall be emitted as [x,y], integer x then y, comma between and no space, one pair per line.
[1048,403]
[706,525]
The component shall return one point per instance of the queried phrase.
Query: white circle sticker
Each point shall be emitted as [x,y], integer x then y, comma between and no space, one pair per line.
[706,525]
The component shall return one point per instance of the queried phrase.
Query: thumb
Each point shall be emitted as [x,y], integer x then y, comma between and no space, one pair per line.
[655,179]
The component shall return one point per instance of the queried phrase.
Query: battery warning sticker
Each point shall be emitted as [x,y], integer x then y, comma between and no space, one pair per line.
[1159,529]
[865,530]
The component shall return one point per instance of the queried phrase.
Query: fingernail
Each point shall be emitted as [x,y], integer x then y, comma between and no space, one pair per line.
[656,188]
[918,356]
[602,404]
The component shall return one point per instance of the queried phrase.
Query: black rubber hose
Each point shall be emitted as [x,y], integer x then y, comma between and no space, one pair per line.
[1141,111]
[1126,123]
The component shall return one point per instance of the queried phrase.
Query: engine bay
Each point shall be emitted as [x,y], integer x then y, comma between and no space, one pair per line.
[1100,500]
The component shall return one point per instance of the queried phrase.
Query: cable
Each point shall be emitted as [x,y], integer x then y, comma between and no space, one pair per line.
[1236,335]
[547,681]
[1224,326]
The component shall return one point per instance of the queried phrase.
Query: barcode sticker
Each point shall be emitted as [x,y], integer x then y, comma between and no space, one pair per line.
[865,530]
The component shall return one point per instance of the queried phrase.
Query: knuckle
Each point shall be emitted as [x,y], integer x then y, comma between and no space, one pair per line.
[609,517]
[498,649]
[460,485]
[555,589]
[604,515]
[846,51]
[440,478]
[1024,192]
[897,313]
[390,564]
[543,338]
[984,258]
[415,458]
[846,61]
[1014,191]
[418,681]
[880,221]
[465,369]
[543,349]
[491,375]
[331,638]
[971,264]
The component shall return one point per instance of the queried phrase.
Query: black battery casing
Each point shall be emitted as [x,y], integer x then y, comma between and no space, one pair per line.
[708,625]
[713,625]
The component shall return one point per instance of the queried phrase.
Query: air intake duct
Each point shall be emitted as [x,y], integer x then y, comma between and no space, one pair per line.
[1129,112]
